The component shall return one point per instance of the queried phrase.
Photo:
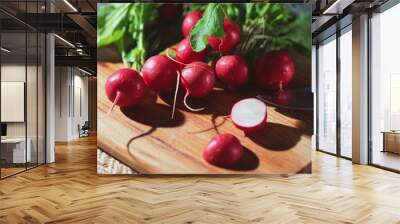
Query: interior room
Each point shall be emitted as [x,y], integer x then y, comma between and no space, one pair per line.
[23,99]
[27,58]
[334,118]
[334,158]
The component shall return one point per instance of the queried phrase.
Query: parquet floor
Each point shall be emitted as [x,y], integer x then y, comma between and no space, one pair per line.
[10,171]
[70,191]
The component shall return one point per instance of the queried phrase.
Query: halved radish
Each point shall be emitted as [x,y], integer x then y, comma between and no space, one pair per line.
[249,114]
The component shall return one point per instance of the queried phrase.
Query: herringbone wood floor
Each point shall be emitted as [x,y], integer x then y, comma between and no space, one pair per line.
[70,191]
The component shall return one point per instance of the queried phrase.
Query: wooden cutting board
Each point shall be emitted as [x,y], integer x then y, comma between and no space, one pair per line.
[147,140]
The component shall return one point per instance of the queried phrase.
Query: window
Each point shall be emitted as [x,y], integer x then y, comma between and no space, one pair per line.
[385,89]
[327,96]
[334,106]
[346,92]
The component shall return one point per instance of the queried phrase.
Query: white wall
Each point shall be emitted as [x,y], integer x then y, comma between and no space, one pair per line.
[80,84]
[33,126]
[61,103]
[14,73]
[13,101]
[69,82]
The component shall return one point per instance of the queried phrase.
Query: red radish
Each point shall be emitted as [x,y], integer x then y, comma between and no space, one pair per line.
[198,80]
[232,70]
[284,97]
[229,41]
[223,150]
[185,54]
[125,88]
[169,12]
[249,114]
[159,73]
[190,21]
[274,70]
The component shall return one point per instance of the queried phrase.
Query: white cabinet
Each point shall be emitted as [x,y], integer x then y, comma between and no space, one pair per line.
[14,150]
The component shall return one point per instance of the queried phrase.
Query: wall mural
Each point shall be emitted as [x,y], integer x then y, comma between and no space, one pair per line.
[204,88]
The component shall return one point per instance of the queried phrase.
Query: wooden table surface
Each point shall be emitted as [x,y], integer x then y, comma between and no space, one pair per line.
[147,140]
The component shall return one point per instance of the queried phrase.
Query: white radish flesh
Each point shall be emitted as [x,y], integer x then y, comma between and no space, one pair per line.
[249,114]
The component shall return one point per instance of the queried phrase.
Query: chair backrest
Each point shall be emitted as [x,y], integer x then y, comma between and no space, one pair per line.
[86,124]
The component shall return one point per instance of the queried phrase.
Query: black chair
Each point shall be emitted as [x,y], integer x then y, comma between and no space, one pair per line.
[84,130]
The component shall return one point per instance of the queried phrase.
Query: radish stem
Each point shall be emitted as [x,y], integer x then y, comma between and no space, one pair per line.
[114,102]
[176,93]
[187,106]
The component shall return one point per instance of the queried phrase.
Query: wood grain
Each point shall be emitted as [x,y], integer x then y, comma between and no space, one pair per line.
[148,141]
[70,191]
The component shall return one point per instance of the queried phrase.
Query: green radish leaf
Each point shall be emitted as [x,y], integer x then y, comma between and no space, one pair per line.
[210,25]
[104,40]
[104,10]
[235,12]
[111,27]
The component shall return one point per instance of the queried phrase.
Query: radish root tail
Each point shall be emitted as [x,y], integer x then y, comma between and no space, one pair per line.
[176,93]
[114,103]
[173,59]
[280,86]
[219,47]
[188,107]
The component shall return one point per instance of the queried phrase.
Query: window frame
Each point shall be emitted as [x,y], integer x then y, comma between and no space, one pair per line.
[337,35]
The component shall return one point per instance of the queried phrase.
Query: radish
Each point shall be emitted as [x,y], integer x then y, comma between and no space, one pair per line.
[190,21]
[198,80]
[169,12]
[249,115]
[159,73]
[229,41]
[125,88]
[185,54]
[223,150]
[274,70]
[232,70]
[284,97]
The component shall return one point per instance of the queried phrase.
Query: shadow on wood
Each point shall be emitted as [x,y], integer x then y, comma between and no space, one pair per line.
[154,115]
[249,161]
[306,169]
[143,112]
[151,130]
[305,118]
[276,137]
[218,103]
